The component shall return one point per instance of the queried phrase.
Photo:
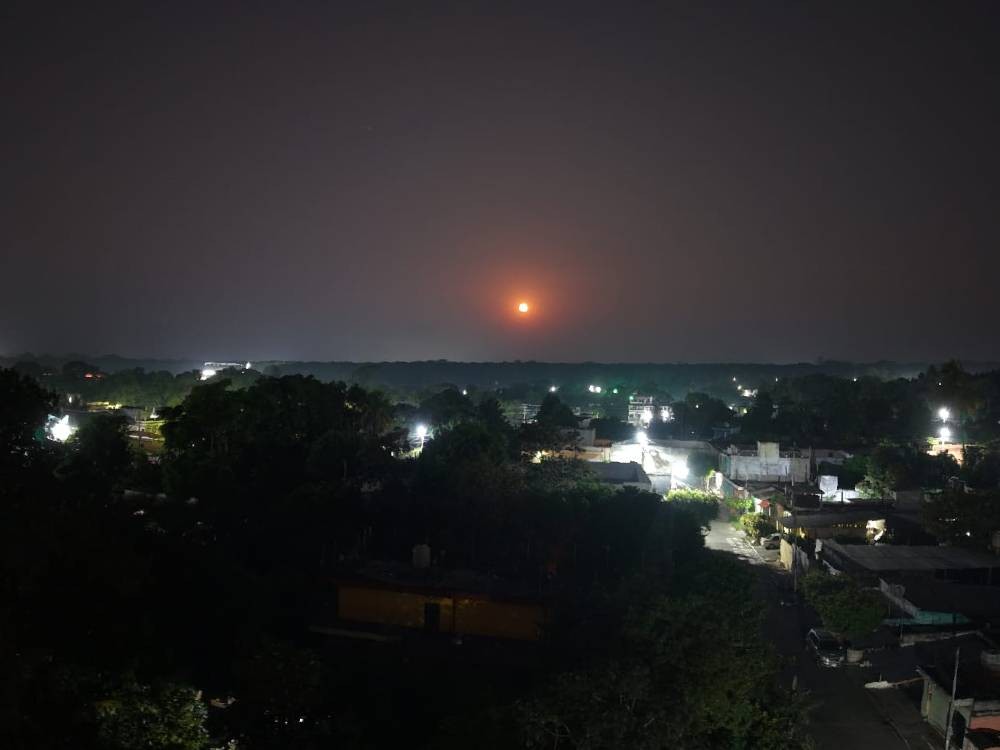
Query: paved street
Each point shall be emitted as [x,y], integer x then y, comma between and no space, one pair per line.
[844,715]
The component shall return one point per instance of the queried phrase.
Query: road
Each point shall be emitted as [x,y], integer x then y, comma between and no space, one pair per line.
[843,715]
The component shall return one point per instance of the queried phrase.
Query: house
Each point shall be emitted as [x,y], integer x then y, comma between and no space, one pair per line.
[388,596]
[619,474]
[806,515]
[767,463]
[664,461]
[642,410]
[929,561]
[927,602]
[969,665]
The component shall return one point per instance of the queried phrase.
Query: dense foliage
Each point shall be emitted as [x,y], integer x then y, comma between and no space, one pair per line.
[756,525]
[703,505]
[843,605]
[134,616]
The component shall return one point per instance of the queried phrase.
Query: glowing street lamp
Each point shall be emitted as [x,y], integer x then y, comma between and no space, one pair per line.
[643,439]
[945,434]
[552,389]
[421,432]
[61,430]
[944,414]
[647,416]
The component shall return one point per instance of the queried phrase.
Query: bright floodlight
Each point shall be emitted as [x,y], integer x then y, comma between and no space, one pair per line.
[61,430]
[945,434]
[207,373]
[642,438]
[679,468]
[943,414]
[465,392]
[747,393]
[523,307]
[421,431]
[647,416]
[597,389]
[552,389]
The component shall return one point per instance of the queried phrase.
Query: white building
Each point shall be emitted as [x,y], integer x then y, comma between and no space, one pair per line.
[664,461]
[641,410]
[766,464]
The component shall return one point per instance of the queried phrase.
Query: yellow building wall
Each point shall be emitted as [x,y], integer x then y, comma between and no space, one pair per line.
[391,607]
[499,619]
[462,615]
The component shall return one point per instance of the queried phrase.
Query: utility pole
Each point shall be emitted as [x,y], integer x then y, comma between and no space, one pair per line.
[951,706]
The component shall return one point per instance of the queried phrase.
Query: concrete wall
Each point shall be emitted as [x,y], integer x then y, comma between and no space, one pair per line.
[760,469]
[789,551]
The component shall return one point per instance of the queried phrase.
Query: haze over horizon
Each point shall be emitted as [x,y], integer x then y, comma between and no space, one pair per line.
[676,183]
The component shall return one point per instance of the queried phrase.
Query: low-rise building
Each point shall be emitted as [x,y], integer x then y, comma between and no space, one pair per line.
[642,410]
[807,516]
[969,667]
[945,563]
[619,475]
[766,463]
[920,601]
[388,596]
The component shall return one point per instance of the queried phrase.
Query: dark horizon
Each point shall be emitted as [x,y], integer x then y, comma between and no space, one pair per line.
[677,183]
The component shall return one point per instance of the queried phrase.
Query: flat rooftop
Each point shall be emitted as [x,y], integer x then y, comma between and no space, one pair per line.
[928,558]
[615,472]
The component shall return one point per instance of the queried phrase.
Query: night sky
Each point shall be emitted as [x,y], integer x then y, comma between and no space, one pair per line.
[691,181]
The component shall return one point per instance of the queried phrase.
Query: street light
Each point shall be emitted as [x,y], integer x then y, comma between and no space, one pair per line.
[421,434]
[552,389]
[945,434]
[943,414]
[643,440]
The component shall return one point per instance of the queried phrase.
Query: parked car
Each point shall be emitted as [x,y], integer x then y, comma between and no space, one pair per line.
[773,541]
[828,649]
